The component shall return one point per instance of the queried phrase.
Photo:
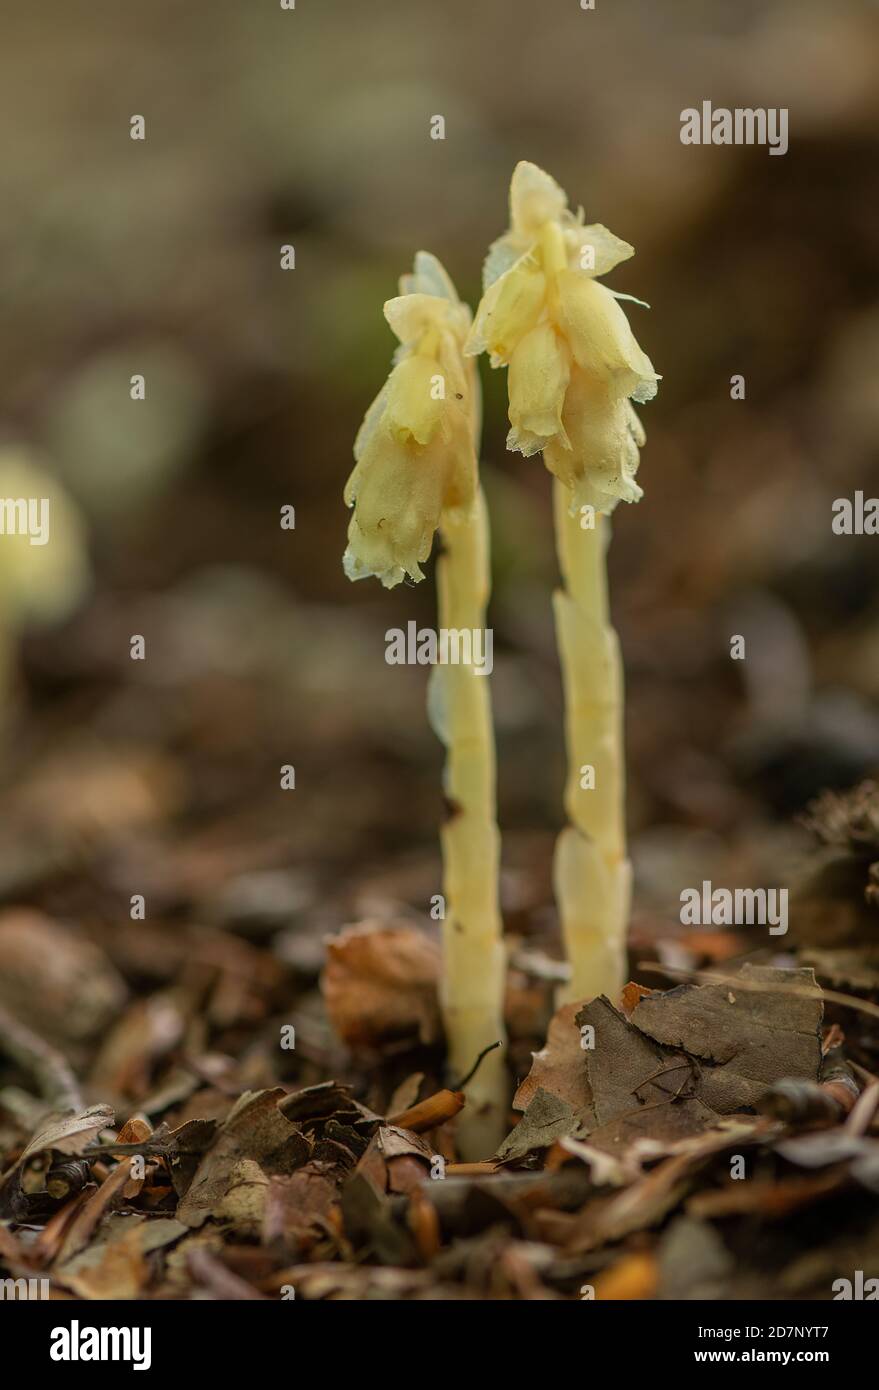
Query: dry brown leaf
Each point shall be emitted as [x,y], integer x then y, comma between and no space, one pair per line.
[255,1130]
[380,984]
[560,1066]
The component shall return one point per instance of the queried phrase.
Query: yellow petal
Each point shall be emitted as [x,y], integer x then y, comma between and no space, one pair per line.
[595,249]
[371,421]
[538,378]
[535,198]
[636,429]
[429,276]
[460,380]
[600,465]
[600,337]
[397,506]
[507,310]
[415,315]
[399,491]
[414,405]
[501,257]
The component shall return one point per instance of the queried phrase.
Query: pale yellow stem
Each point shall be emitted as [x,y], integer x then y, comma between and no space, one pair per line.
[591,872]
[474,959]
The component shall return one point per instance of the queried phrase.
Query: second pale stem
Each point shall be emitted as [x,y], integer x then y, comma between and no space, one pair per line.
[592,874]
[474,959]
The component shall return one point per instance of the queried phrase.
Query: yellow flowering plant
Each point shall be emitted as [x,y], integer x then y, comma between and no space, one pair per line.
[416,472]
[574,369]
[415,452]
[574,363]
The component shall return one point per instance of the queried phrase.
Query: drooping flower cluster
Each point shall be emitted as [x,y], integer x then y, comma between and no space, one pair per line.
[574,364]
[415,451]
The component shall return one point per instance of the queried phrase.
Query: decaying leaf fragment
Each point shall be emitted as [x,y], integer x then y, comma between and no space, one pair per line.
[300,1208]
[682,1059]
[255,1132]
[115,1265]
[749,1034]
[546,1119]
[638,1088]
[381,984]
[559,1065]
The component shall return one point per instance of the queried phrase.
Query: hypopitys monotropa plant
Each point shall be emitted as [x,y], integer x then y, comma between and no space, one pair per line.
[417,472]
[574,371]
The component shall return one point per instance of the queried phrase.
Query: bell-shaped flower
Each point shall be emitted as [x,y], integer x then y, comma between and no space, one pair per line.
[574,363]
[415,451]
[602,428]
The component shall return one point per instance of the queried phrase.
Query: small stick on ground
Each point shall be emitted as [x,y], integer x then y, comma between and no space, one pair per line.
[90,1214]
[471,1170]
[429,1114]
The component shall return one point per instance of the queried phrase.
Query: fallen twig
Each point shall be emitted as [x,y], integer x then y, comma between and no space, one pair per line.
[430,1113]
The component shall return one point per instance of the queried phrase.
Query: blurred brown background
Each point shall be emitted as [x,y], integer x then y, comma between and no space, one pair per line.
[312,127]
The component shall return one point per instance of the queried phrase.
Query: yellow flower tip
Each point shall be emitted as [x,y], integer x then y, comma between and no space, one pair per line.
[538,203]
[429,276]
[358,565]
[417,316]
[415,450]
[535,198]
[573,359]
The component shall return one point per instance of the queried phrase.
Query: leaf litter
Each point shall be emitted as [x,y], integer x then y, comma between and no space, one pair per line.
[688,1141]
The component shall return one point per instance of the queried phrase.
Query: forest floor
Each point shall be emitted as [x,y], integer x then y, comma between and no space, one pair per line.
[219,1098]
